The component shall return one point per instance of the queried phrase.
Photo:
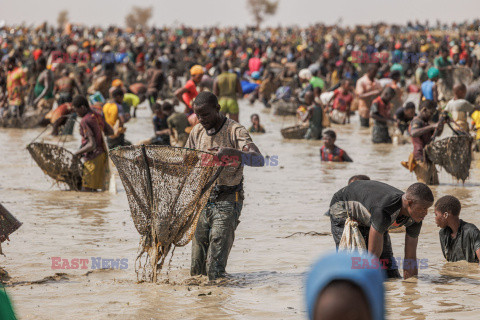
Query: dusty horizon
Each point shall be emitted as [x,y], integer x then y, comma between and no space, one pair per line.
[235,13]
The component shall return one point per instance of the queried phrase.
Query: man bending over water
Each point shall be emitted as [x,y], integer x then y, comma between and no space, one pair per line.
[378,207]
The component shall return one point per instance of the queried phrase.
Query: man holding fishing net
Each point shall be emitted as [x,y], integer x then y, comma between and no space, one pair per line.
[422,134]
[362,213]
[93,148]
[233,148]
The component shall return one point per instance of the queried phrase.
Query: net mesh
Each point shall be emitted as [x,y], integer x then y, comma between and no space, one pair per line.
[8,223]
[453,153]
[458,74]
[167,188]
[58,163]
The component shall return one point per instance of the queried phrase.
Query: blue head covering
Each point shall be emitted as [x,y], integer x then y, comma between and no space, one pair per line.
[338,266]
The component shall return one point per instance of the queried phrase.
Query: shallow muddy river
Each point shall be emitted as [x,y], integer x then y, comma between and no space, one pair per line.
[267,266]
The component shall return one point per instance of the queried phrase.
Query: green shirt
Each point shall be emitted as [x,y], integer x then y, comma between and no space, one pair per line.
[317,82]
[442,63]
[227,85]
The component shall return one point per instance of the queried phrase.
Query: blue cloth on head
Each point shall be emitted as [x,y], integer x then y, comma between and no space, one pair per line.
[339,266]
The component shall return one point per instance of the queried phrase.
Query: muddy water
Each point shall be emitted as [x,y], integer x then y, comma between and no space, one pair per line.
[267,268]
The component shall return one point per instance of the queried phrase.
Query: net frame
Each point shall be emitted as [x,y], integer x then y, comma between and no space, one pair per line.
[167,188]
[58,163]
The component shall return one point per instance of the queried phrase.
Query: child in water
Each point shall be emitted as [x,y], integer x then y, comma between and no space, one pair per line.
[256,127]
[459,240]
[330,152]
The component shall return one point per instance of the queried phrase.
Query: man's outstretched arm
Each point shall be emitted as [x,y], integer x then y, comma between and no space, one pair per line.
[410,267]
[375,242]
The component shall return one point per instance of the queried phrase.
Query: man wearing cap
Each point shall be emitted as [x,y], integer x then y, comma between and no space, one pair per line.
[345,285]
[429,89]
[187,93]
[234,148]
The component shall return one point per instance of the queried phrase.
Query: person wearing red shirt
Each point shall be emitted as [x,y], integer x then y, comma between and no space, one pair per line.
[187,93]
[342,100]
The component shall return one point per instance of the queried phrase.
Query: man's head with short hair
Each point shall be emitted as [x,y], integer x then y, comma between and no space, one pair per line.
[117,95]
[207,109]
[358,177]
[80,104]
[372,71]
[417,200]
[447,208]
[387,94]
[460,90]
[395,75]
[427,109]
[167,108]
[409,110]
[329,138]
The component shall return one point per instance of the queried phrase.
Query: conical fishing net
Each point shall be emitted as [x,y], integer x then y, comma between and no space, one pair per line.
[58,163]
[8,223]
[453,153]
[167,188]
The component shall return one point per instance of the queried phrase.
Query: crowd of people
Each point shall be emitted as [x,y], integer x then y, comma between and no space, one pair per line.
[410,81]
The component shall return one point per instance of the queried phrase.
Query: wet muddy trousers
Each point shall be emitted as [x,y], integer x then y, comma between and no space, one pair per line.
[214,238]
[338,225]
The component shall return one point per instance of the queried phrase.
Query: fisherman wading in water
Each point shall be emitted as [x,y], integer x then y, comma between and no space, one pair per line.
[217,223]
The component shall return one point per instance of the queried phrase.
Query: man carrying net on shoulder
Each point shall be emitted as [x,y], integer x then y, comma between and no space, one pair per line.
[233,148]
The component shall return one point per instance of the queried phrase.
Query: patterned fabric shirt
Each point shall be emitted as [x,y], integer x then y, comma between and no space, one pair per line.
[231,135]
[15,80]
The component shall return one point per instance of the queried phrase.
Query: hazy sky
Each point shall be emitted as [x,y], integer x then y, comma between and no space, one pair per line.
[231,12]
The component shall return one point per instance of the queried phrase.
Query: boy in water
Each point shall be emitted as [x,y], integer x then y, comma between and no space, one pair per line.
[256,126]
[460,108]
[380,113]
[330,152]
[459,240]
[404,116]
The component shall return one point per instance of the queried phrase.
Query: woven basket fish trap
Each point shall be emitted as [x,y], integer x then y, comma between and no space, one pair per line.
[284,108]
[295,132]
[167,188]
[454,154]
[58,163]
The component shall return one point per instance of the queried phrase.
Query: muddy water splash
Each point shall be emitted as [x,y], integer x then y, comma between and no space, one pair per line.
[267,267]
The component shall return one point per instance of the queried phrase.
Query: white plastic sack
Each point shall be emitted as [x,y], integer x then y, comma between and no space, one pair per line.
[352,239]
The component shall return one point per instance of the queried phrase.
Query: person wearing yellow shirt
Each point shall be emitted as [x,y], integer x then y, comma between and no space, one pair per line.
[476,127]
[131,101]
[115,117]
